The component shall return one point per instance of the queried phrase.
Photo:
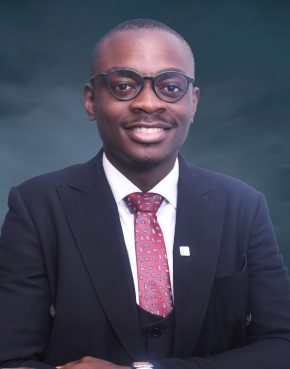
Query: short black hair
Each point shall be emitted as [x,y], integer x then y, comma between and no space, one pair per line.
[142,24]
[134,24]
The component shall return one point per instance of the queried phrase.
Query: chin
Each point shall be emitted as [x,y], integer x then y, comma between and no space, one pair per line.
[147,162]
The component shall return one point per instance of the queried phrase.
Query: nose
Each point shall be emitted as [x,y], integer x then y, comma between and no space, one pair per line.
[147,101]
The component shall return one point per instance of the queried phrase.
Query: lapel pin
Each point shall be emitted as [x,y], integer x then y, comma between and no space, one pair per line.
[248,319]
[184,251]
[52,311]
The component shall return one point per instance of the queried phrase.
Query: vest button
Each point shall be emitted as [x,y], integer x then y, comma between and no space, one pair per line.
[156,332]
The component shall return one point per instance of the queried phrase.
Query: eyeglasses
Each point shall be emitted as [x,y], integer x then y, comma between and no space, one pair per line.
[126,84]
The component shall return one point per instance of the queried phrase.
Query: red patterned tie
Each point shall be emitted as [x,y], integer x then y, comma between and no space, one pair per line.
[155,295]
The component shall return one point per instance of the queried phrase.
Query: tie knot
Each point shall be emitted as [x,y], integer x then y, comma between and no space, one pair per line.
[143,201]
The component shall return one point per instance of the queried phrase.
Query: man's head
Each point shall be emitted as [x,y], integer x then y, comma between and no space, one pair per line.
[148,129]
[135,25]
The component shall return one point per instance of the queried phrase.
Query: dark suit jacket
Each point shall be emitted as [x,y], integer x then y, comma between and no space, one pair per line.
[66,288]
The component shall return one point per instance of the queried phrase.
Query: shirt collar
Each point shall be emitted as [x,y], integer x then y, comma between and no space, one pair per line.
[121,186]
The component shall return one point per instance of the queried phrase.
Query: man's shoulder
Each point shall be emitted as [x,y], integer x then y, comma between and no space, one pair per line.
[220,182]
[77,175]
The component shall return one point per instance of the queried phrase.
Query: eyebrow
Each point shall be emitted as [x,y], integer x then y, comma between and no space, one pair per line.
[115,67]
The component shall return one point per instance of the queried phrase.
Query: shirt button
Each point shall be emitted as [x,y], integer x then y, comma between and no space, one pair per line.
[156,332]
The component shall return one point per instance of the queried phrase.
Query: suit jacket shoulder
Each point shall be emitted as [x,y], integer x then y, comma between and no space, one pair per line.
[79,176]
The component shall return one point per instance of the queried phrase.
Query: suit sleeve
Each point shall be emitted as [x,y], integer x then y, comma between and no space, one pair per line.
[24,291]
[269,303]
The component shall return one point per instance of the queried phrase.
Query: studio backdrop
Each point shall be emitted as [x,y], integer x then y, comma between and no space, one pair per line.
[242,51]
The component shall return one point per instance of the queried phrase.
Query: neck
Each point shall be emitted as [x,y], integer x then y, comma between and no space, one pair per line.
[144,177]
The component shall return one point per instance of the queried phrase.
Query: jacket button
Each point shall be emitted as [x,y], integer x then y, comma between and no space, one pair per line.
[156,332]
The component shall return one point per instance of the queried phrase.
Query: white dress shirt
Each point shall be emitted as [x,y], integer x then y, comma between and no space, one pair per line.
[166,214]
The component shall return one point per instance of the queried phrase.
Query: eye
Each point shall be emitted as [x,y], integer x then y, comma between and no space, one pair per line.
[121,87]
[171,88]
[171,85]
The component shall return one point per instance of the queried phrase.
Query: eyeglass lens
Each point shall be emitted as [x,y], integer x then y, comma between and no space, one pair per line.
[125,85]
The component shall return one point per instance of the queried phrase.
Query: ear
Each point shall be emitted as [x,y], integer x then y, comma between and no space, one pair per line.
[195,98]
[89,100]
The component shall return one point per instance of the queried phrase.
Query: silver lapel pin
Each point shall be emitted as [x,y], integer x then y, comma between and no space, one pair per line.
[184,251]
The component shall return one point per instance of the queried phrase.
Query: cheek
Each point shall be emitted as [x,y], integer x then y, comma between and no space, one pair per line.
[108,125]
[108,110]
[184,113]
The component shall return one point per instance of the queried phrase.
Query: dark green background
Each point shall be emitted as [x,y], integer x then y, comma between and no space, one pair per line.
[242,51]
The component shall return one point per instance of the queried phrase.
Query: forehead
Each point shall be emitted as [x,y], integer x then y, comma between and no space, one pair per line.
[147,51]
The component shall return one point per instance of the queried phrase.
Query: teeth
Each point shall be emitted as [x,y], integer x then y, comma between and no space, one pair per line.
[148,130]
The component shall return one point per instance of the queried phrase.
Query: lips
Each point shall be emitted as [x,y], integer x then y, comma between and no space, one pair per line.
[147,135]
[148,130]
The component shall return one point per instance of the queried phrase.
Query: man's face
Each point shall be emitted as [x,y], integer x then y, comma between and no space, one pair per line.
[144,131]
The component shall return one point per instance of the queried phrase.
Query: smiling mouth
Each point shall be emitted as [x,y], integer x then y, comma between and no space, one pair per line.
[148,135]
[148,130]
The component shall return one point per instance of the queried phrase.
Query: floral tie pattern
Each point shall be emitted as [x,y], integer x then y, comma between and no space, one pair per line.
[155,295]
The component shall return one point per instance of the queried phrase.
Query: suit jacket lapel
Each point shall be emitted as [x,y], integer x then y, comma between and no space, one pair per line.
[198,226]
[93,217]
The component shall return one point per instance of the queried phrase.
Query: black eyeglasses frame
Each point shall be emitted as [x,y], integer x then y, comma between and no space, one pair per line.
[106,75]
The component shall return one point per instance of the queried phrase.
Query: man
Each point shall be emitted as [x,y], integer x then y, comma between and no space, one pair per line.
[213,292]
